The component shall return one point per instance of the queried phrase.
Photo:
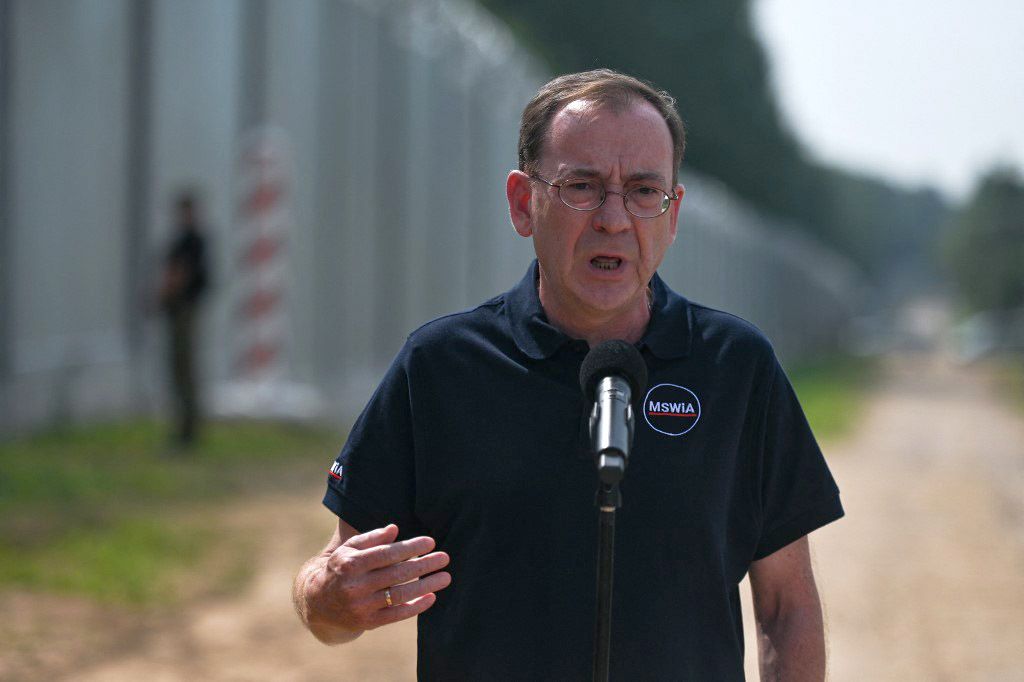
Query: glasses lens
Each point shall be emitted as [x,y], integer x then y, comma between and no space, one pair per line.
[647,202]
[581,194]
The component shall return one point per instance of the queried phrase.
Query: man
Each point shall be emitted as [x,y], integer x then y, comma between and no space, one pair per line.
[184,281]
[474,445]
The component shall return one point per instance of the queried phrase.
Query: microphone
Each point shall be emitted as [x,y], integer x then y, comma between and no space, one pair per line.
[612,373]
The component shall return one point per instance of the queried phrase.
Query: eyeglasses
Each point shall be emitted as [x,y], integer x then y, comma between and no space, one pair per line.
[588,195]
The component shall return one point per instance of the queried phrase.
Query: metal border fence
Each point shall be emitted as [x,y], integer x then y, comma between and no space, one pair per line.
[400,118]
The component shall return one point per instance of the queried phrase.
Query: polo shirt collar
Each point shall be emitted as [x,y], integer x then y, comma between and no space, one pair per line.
[669,331]
[667,335]
[531,330]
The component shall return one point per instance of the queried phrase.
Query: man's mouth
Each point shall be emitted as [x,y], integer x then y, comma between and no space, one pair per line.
[605,262]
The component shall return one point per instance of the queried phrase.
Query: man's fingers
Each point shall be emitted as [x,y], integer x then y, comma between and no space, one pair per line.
[402,611]
[406,571]
[373,538]
[393,553]
[403,594]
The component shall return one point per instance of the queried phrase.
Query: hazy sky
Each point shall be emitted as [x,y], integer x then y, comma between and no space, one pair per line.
[919,91]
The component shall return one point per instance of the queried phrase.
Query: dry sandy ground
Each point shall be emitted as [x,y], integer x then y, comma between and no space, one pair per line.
[924,579]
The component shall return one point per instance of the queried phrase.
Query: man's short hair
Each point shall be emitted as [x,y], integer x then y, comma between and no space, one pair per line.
[602,87]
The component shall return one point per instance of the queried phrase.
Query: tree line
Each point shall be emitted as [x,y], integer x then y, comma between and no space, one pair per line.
[709,57]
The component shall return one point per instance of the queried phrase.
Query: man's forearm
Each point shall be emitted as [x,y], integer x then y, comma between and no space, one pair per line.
[791,646]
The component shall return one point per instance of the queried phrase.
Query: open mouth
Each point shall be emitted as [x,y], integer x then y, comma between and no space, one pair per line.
[605,262]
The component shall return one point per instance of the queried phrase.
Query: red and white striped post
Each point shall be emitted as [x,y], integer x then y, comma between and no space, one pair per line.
[264,222]
[261,384]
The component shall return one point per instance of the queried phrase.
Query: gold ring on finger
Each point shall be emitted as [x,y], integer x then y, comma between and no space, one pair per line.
[387,596]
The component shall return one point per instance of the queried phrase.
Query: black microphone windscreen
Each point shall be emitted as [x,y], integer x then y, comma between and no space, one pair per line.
[617,358]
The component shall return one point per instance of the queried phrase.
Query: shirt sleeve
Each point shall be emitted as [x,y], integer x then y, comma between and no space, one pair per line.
[372,482]
[798,493]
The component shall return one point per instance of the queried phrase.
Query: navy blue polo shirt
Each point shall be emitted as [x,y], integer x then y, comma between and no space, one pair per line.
[476,437]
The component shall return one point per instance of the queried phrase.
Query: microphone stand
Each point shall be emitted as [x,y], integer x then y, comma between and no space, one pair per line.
[609,499]
[617,368]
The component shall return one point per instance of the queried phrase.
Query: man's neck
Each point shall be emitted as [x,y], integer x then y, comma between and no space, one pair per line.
[628,325]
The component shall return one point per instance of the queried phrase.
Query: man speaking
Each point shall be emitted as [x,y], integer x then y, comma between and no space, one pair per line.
[465,492]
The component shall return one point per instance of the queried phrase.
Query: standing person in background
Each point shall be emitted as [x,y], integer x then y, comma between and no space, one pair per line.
[183,283]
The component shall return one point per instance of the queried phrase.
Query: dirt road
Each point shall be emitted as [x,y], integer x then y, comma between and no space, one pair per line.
[924,579]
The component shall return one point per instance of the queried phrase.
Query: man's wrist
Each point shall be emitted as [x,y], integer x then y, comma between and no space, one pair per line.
[325,630]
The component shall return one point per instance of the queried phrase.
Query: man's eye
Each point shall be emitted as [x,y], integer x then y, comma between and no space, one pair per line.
[580,186]
[643,191]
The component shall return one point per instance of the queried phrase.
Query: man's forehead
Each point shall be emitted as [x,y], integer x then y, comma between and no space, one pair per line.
[584,133]
[580,107]
[585,112]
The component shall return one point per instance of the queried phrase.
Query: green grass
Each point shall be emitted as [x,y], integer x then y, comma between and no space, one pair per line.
[107,511]
[1008,375]
[131,561]
[831,393]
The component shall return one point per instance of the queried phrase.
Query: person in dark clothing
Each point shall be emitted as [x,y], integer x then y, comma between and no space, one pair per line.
[182,287]
[461,495]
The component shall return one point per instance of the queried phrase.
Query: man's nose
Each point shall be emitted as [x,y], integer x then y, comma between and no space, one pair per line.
[612,215]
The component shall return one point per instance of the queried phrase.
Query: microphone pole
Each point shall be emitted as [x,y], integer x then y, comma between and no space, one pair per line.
[611,373]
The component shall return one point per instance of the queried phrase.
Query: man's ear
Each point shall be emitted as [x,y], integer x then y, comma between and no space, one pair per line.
[518,189]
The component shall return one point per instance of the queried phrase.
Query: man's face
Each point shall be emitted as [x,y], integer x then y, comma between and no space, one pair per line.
[595,265]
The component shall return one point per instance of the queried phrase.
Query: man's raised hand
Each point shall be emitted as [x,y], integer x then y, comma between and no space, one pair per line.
[349,586]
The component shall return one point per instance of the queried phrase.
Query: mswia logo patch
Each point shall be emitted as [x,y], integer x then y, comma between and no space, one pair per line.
[670,409]
[335,471]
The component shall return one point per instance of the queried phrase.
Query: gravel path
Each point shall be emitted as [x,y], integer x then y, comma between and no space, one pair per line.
[924,578]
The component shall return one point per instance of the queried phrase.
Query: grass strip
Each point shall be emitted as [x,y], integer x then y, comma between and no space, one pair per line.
[130,561]
[831,392]
[1008,375]
[107,511]
[101,510]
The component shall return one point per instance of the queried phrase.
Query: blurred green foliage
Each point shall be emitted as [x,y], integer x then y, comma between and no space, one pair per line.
[831,392]
[984,247]
[107,511]
[707,55]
